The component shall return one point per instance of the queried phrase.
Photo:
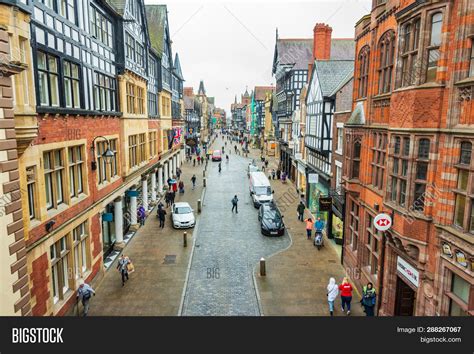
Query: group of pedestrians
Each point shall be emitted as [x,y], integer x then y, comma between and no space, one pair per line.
[344,290]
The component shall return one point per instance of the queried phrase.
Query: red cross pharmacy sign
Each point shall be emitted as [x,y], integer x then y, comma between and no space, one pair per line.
[382,222]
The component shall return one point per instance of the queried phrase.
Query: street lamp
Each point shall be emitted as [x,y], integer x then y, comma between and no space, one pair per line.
[108,154]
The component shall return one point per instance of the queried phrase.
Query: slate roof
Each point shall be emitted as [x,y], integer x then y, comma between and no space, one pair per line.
[177,67]
[331,73]
[118,5]
[297,51]
[156,19]
[342,49]
[260,92]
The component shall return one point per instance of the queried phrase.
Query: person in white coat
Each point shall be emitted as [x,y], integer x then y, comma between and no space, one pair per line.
[332,292]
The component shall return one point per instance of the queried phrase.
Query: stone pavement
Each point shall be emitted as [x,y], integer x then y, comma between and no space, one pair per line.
[227,246]
[161,261]
[296,279]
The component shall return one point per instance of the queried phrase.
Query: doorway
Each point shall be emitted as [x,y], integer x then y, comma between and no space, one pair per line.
[405,300]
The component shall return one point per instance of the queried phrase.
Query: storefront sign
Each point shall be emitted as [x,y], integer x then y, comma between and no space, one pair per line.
[107,217]
[408,271]
[461,258]
[382,222]
[313,178]
[325,203]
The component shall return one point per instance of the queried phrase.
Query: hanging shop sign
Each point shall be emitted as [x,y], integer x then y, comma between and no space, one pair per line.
[382,222]
[325,203]
[131,193]
[408,271]
[107,217]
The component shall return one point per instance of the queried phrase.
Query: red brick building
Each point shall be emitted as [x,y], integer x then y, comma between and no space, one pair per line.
[408,149]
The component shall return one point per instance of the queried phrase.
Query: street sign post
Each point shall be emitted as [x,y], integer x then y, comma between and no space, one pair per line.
[383,222]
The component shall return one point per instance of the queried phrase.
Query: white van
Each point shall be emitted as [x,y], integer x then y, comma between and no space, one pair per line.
[260,189]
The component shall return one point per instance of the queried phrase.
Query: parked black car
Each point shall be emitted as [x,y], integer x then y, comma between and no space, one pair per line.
[271,220]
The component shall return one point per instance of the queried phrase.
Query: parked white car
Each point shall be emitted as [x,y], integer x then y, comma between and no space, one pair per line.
[182,216]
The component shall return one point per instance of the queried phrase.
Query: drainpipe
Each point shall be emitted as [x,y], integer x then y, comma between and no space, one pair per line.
[381,273]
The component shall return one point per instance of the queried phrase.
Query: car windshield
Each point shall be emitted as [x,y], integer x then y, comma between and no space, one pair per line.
[272,215]
[182,210]
[262,190]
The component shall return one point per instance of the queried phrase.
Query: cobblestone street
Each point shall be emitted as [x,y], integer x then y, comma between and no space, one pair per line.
[228,246]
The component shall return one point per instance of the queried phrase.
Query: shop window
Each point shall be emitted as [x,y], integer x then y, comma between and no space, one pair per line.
[60,275]
[76,171]
[386,55]
[364,58]
[378,159]
[464,211]
[409,39]
[460,296]
[421,176]
[399,173]
[54,178]
[80,246]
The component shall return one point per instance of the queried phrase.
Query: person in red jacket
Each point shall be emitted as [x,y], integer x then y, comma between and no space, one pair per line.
[346,295]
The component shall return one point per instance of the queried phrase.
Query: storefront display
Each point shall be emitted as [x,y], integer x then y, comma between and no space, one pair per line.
[316,190]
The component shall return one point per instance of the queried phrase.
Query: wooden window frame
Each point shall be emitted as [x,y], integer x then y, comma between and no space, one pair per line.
[467,193]
[386,61]
[31,187]
[364,64]
[55,172]
[49,76]
[379,155]
[372,243]
[81,250]
[72,83]
[354,225]
[76,171]
[433,48]
[398,179]
[408,52]
[141,148]
[420,160]
[133,151]
[59,262]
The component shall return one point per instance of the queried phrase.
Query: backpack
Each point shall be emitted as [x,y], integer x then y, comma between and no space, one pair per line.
[87,295]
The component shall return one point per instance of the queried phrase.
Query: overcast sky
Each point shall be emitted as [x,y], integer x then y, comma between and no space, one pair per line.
[230,45]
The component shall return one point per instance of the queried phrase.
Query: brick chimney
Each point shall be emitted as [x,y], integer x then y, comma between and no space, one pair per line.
[322,41]
[188,91]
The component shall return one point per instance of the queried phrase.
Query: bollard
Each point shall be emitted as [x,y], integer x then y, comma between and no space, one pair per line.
[199,205]
[263,271]
[204,173]
[185,239]
[204,180]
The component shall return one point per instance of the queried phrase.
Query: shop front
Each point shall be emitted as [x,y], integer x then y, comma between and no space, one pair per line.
[316,187]
[456,277]
[407,282]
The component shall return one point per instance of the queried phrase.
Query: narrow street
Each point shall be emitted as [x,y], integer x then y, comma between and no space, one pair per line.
[228,245]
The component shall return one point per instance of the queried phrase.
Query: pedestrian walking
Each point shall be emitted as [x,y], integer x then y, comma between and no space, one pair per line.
[332,292]
[172,196]
[193,180]
[181,187]
[273,174]
[235,200]
[266,163]
[263,167]
[220,167]
[199,159]
[174,187]
[178,173]
[194,162]
[278,173]
[141,215]
[122,267]
[300,209]
[168,198]
[160,205]
[319,225]
[161,217]
[309,227]
[369,299]
[168,181]
[346,295]
[84,294]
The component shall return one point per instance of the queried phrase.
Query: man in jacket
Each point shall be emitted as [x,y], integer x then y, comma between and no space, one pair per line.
[235,200]
[122,266]
[84,293]
[161,217]
[300,210]
[193,180]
